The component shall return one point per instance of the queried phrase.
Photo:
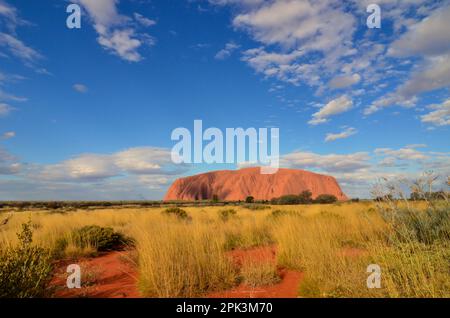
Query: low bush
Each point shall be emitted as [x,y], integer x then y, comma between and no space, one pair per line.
[325,199]
[24,269]
[256,207]
[178,212]
[226,214]
[102,238]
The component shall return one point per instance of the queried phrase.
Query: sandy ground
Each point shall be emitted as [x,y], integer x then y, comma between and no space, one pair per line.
[114,275]
[110,275]
[286,288]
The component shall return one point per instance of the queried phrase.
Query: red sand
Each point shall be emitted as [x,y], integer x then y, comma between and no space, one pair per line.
[110,275]
[287,288]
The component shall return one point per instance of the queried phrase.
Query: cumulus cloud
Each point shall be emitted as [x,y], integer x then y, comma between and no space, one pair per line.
[334,107]
[343,81]
[5,109]
[94,167]
[429,40]
[350,131]
[291,32]
[8,163]
[317,43]
[358,172]
[439,114]
[115,33]
[9,135]
[427,37]
[80,88]
[135,173]
[226,52]
[327,163]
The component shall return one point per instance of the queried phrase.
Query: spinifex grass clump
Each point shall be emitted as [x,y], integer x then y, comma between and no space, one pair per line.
[102,238]
[226,214]
[179,213]
[24,269]
[181,259]
[259,273]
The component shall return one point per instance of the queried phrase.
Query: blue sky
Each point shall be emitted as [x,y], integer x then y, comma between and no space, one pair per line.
[87,113]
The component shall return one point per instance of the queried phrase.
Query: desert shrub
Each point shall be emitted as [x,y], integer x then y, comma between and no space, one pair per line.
[427,226]
[102,238]
[232,240]
[24,269]
[178,212]
[280,213]
[305,197]
[249,199]
[325,199]
[256,207]
[288,199]
[226,214]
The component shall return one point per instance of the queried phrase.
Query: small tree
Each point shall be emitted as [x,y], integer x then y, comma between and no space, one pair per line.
[249,199]
[305,197]
[215,198]
[325,198]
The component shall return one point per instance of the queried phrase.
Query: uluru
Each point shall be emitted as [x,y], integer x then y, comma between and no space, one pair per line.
[235,185]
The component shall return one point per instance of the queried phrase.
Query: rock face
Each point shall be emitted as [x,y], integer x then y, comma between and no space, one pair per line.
[234,185]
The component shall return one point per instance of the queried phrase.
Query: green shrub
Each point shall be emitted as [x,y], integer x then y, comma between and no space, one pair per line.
[256,207]
[102,238]
[325,199]
[227,213]
[279,213]
[178,212]
[427,226]
[249,199]
[25,269]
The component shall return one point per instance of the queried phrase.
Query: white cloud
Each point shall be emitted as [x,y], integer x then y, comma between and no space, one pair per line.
[80,88]
[428,37]
[439,116]
[9,135]
[114,32]
[343,81]
[17,48]
[406,153]
[8,163]
[94,167]
[430,40]
[5,109]
[327,163]
[226,52]
[350,131]
[358,172]
[334,107]
[290,30]
[144,21]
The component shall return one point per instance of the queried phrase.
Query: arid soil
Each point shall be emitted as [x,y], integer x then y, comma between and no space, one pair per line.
[234,185]
[286,288]
[111,275]
[114,275]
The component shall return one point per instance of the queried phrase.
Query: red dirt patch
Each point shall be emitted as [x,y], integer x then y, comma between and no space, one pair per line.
[286,288]
[111,275]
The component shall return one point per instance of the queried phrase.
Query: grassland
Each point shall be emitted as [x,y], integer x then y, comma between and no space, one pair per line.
[332,244]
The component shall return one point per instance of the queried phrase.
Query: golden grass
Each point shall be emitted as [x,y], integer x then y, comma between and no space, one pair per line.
[332,244]
[259,273]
